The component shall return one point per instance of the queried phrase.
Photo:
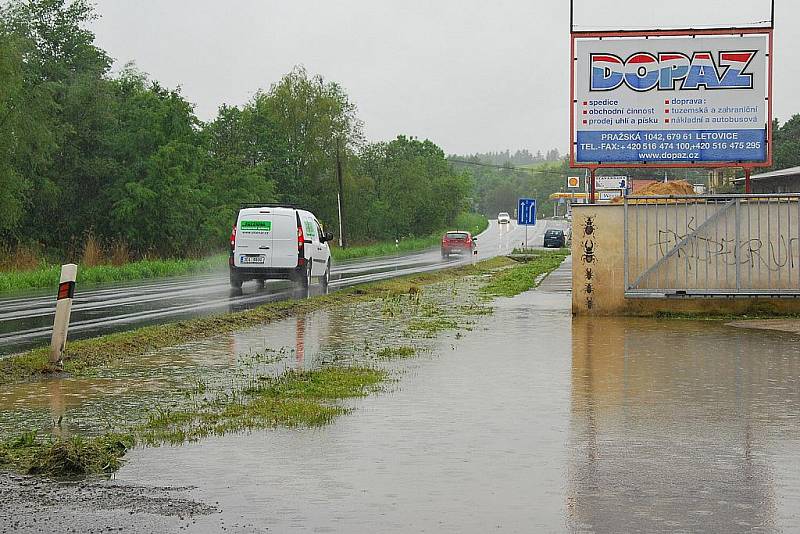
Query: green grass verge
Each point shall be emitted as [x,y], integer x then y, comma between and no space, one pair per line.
[536,250]
[47,277]
[524,276]
[470,222]
[83,357]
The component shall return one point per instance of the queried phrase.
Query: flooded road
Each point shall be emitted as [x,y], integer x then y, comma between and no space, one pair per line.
[526,421]
[26,320]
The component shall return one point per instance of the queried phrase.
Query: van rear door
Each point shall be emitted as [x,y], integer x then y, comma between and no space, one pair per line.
[254,241]
[284,240]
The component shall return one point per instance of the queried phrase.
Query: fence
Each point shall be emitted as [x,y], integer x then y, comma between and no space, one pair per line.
[712,246]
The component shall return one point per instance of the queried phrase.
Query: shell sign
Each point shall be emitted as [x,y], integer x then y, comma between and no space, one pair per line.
[573,182]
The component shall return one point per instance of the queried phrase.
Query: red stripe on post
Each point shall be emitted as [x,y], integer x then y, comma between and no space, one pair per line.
[66,290]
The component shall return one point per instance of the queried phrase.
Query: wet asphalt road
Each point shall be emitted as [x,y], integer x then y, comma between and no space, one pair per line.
[26,320]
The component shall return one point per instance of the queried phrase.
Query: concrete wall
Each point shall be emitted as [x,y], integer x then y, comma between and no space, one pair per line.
[768,257]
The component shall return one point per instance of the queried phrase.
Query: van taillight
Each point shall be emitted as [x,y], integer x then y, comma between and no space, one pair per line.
[233,238]
[301,240]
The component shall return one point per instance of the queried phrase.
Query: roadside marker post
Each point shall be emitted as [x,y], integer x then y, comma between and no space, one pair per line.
[66,290]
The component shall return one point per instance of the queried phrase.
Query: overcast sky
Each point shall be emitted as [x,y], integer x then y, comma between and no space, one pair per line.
[469,75]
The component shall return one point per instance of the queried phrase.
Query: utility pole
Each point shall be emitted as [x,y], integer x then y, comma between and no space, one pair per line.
[340,195]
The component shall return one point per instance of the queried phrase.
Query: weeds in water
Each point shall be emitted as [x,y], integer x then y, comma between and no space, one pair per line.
[297,398]
[430,327]
[76,456]
[475,309]
[391,353]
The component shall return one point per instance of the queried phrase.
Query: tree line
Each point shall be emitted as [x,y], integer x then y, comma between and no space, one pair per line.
[123,158]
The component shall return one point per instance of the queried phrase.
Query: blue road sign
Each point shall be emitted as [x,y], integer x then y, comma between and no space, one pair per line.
[526,213]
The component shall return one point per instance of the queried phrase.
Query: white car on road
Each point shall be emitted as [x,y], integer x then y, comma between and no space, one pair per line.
[278,242]
[503,218]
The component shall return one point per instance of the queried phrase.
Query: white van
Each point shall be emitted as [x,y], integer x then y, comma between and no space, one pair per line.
[278,242]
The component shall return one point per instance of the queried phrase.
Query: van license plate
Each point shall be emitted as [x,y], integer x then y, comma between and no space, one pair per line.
[251,258]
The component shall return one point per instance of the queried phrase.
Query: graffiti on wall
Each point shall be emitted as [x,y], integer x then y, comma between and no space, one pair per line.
[774,252]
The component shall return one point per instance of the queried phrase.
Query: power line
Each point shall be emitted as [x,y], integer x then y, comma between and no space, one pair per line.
[506,167]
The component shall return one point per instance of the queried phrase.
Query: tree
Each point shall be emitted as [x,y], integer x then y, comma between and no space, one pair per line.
[310,115]
[786,143]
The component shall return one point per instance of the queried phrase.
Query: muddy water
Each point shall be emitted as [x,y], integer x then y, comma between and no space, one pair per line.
[531,421]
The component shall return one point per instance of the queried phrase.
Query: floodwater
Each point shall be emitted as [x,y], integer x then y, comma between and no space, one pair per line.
[532,421]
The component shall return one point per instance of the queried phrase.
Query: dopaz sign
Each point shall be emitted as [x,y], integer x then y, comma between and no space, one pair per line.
[674,99]
[611,182]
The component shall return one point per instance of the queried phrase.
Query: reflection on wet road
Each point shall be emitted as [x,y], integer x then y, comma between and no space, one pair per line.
[26,321]
[531,422]
[683,425]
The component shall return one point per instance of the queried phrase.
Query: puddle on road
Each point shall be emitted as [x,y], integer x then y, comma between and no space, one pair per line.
[532,421]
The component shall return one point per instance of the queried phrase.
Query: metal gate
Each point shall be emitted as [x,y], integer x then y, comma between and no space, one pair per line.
[712,246]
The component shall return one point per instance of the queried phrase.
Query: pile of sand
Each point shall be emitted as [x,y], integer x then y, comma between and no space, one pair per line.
[677,187]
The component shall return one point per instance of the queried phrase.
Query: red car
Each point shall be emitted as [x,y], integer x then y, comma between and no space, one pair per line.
[461,242]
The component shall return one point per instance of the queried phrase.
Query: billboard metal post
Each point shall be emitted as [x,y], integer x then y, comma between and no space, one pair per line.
[747,180]
[591,185]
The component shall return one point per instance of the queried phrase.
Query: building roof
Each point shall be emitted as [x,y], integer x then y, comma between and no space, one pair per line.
[783,173]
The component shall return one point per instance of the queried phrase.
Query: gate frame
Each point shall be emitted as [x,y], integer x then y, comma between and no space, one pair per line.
[728,201]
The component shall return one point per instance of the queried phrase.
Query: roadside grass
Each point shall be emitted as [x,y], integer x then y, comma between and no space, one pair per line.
[48,276]
[524,276]
[536,250]
[85,357]
[471,222]
[294,399]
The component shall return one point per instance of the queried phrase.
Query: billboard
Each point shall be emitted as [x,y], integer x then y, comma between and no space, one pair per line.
[681,99]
